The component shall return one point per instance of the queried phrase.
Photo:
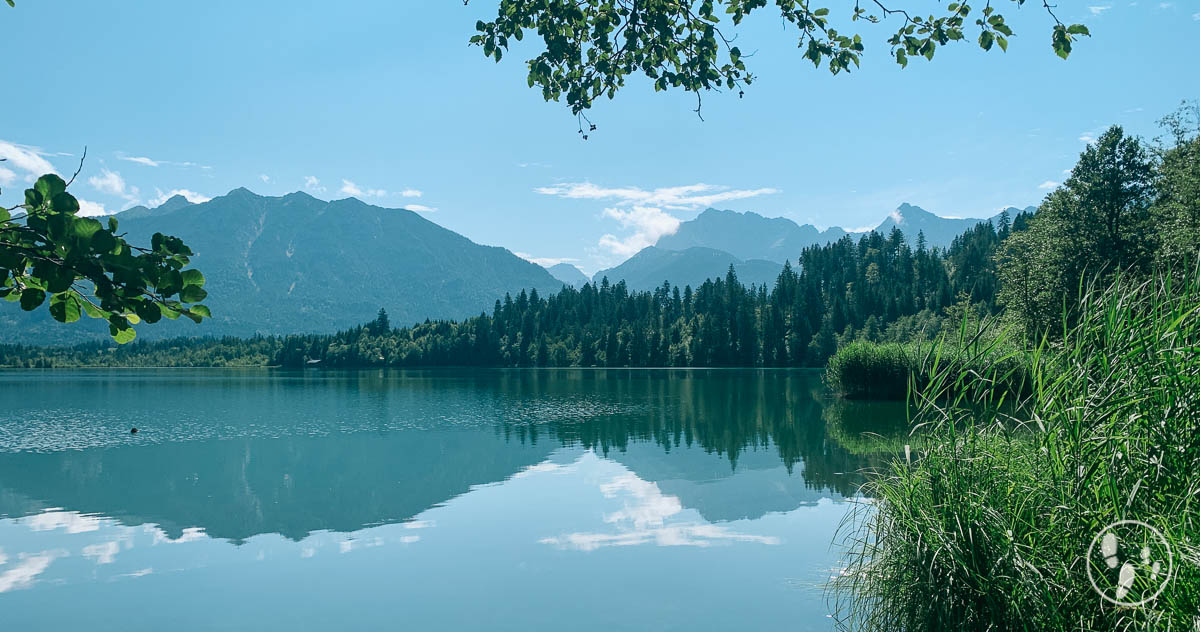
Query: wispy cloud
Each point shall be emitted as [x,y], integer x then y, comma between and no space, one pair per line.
[687,197]
[312,184]
[191,196]
[141,160]
[350,188]
[1099,9]
[23,158]
[1049,184]
[1087,137]
[264,177]
[545,262]
[411,193]
[146,161]
[642,210]
[419,208]
[26,571]
[648,224]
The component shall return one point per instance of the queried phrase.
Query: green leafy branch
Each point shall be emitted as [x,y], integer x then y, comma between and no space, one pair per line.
[86,267]
[589,47]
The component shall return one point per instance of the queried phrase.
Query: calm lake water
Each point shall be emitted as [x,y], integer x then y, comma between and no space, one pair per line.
[423,500]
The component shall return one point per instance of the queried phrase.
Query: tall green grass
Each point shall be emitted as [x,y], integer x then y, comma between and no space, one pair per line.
[988,527]
[984,352]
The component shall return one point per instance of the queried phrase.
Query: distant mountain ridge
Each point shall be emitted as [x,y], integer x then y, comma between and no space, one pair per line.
[652,266]
[704,247]
[295,264]
[568,274]
[748,235]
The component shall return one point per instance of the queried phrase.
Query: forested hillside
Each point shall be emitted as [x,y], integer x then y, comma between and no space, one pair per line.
[875,287]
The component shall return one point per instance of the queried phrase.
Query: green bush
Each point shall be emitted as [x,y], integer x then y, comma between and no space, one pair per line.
[989,526]
[867,370]
[982,354]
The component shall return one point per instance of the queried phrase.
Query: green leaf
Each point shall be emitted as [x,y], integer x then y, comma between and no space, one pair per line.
[92,311]
[192,294]
[192,277]
[986,39]
[148,311]
[102,242]
[49,186]
[200,310]
[1078,29]
[64,307]
[122,336]
[32,298]
[64,203]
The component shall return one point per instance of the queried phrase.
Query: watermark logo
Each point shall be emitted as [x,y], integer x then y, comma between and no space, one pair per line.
[1129,563]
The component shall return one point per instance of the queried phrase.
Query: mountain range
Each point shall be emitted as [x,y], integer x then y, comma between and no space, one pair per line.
[757,246]
[297,264]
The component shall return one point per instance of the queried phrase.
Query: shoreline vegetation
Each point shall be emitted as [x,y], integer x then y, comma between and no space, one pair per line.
[989,527]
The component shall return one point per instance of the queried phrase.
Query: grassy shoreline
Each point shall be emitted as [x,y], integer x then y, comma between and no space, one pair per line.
[988,528]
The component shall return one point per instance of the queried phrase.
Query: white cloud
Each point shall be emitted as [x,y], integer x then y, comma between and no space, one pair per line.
[153,162]
[411,193]
[1100,9]
[112,183]
[349,188]
[685,197]
[7,176]
[191,196]
[1087,137]
[71,521]
[27,159]
[264,177]
[141,160]
[91,209]
[24,573]
[646,216]
[1049,184]
[644,518]
[420,208]
[103,552]
[311,183]
[545,262]
[648,224]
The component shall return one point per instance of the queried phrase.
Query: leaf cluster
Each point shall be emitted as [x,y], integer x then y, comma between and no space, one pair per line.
[589,47]
[83,266]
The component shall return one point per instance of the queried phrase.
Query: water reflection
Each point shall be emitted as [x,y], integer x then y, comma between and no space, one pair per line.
[302,453]
[411,478]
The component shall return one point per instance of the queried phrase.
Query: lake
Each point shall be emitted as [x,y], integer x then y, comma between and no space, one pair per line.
[423,500]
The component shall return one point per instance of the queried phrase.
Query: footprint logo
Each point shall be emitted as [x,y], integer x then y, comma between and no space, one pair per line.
[1129,563]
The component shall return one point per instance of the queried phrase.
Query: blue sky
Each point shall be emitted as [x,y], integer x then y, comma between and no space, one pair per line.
[384,100]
